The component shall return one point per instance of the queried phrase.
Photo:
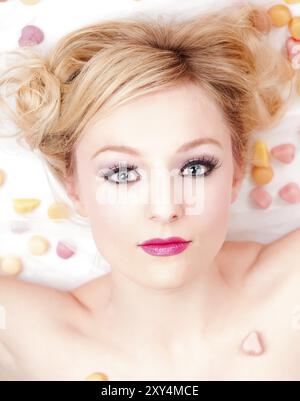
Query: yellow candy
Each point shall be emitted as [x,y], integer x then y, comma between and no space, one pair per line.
[262,175]
[292,1]
[25,205]
[2,177]
[280,15]
[11,265]
[38,245]
[58,211]
[260,154]
[30,2]
[98,376]
[294,28]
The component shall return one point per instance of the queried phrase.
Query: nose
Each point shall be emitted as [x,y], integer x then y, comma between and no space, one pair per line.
[164,206]
[165,213]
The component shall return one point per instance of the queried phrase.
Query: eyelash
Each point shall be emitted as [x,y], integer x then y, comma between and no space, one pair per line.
[209,161]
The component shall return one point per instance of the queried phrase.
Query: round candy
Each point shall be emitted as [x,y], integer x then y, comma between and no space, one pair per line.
[58,211]
[261,197]
[30,2]
[19,227]
[280,15]
[285,153]
[38,245]
[11,265]
[98,376]
[262,175]
[2,177]
[31,35]
[25,205]
[64,250]
[292,1]
[290,193]
[294,28]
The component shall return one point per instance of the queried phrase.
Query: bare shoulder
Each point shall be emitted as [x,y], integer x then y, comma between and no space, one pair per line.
[94,293]
[237,257]
[277,261]
[27,311]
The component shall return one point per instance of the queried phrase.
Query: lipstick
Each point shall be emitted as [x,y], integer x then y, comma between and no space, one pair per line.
[165,247]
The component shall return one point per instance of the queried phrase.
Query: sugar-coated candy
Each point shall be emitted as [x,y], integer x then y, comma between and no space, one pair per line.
[64,250]
[2,177]
[38,245]
[30,2]
[285,153]
[253,345]
[98,376]
[292,1]
[58,211]
[261,197]
[19,227]
[31,35]
[280,15]
[262,175]
[25,205]
[11,265]
[260,154]
[290,193]
[293,50]
[294,28]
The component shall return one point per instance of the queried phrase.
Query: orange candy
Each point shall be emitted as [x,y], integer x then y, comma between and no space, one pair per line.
[98,376]
[280,15]
[262,175]
[294,28]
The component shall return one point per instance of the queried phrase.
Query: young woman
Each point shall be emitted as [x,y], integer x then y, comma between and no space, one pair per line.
[137,108]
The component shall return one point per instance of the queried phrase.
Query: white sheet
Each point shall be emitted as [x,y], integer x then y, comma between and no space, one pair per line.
[55,18]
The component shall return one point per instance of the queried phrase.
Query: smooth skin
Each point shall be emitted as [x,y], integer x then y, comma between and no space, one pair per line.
[178,317]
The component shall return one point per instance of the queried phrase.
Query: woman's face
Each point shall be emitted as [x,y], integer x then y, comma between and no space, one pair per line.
[160,195]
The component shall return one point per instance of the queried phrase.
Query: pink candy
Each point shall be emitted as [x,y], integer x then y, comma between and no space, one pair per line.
[290,193]
[31,35]
[261,197]
[19,227]
[285,153]
[253,344]
[64,250]
[293,49]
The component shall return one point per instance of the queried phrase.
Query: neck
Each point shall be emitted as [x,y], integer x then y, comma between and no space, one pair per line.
[169,319]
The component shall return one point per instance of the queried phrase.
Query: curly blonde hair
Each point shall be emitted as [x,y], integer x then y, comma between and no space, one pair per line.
[100,66]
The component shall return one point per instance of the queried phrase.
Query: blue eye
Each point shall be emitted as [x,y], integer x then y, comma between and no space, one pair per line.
[120,173]
[206,163]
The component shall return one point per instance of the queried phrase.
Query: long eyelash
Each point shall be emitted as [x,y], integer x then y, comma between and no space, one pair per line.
[115,168]
[209,161]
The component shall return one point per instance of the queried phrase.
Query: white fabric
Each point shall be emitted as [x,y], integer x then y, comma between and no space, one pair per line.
[27,175]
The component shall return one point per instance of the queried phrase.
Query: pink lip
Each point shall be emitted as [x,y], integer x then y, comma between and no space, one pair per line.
[168,247]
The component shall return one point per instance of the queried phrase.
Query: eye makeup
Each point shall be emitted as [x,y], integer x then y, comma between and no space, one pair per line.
[208,163]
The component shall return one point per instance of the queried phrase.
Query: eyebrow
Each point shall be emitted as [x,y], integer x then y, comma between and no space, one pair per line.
[134,152]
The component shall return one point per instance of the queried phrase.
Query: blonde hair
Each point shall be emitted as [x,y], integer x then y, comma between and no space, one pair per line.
[100,66]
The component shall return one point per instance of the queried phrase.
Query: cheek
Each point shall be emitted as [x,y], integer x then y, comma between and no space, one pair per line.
[217,197]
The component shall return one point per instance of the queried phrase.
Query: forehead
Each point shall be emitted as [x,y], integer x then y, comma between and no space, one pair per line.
[163,120]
